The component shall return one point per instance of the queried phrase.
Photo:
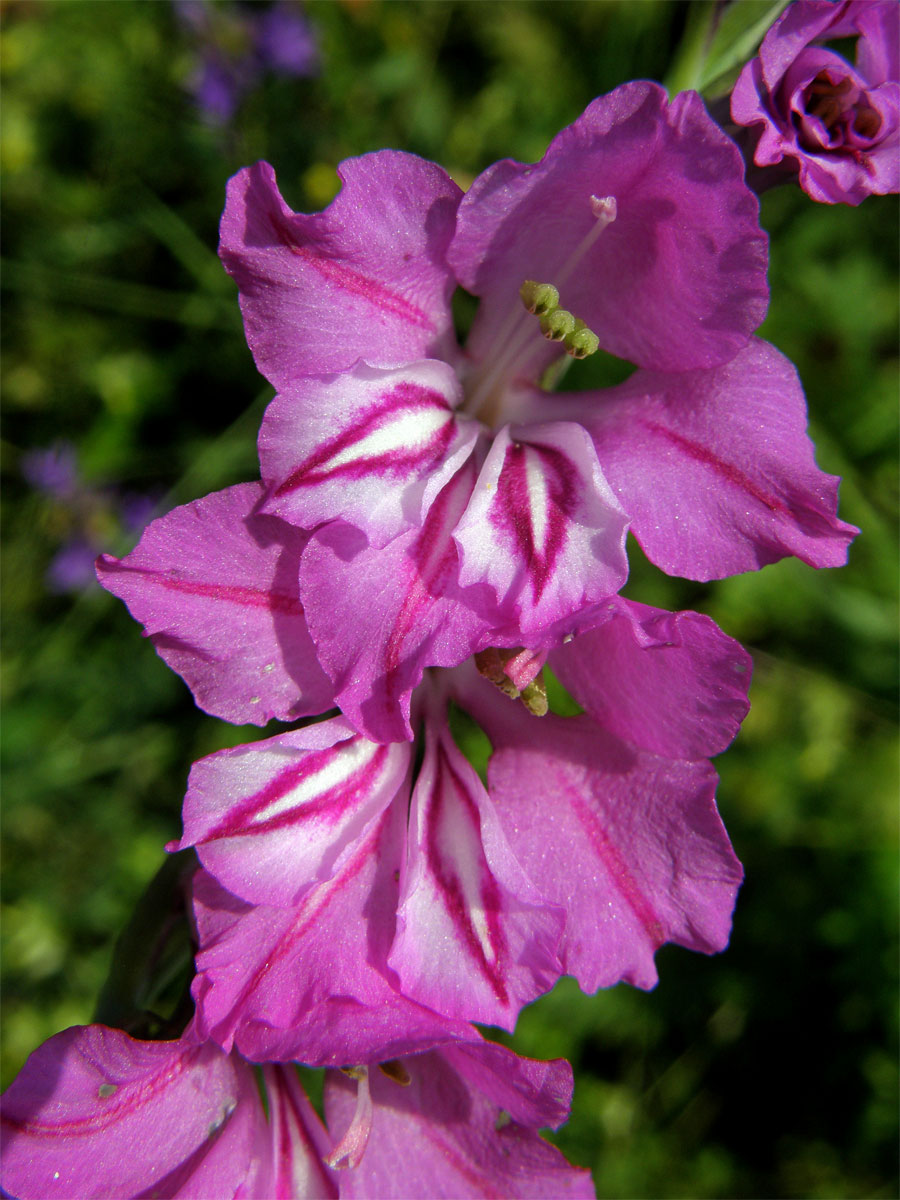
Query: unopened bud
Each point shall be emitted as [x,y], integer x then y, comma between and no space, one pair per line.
[539,298]
[581,342]
[557,325]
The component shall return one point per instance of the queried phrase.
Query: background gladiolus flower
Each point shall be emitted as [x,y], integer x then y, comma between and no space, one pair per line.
[837,123]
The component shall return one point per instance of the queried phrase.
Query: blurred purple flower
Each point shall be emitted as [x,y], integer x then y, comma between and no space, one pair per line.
[136,510]
[84,517]
[238,44]
[52,470]
[285,42]
[72,567]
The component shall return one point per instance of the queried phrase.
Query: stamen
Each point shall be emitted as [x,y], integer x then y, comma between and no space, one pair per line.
[542,299]
[558,325]
[539,298]
[518,674]
[605,210]
[582,342]
[352,1146]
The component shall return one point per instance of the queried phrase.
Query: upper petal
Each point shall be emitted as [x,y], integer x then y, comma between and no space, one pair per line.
[794,29]
[878,49]
[676,281]
[715,468]
[370,447]
[366,278]
[215,587]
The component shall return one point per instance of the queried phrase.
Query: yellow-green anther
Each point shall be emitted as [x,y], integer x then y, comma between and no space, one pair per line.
[534,696]
[581,342]
[355,1072]
[539,298]
[557,325]
[491,663]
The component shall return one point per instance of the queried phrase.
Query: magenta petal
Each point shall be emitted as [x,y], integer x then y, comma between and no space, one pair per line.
[474,938]
[630,844]
[311,982]
[369,447]
[379,617]
[467,1124]
[543,529]
[273,818]
[716,470]
[670,683]
[215,588]
[677,281]
[366,278]
[94,1113]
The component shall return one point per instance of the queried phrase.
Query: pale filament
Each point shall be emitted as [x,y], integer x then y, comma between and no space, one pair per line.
[518,328]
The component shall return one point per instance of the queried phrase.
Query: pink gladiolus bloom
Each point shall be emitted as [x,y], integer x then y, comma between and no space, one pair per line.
[839,124]
[451,504]
[309,832]
[596,841]
[442,503]
[95,1114]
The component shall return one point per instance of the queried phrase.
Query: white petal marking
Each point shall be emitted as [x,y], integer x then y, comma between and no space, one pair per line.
[351,757]
[408,429]
[538,498]
[461,844]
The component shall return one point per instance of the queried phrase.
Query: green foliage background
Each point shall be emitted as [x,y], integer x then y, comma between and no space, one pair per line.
[768,1071]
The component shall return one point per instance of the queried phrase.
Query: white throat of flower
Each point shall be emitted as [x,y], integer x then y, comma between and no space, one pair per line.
[515,342]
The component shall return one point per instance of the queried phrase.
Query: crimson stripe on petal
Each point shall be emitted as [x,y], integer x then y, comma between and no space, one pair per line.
[396,421]
[231,593]
[537,494]
[351,281]
[325,783]
[703,454]
[617,869]
[456,857]
[115,1106]
[307,913]
[433,557]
